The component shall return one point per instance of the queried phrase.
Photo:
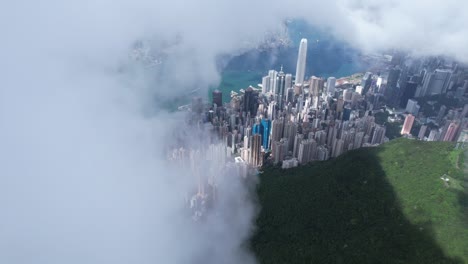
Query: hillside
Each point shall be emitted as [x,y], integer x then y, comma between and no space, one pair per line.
[372,205]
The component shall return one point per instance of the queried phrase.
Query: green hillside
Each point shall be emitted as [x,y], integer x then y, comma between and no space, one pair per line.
[374,205]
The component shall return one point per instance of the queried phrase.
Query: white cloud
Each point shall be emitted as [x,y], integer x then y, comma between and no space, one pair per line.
[83,178]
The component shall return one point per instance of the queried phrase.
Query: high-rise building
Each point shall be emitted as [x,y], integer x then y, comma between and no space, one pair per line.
[358,140]
[265,84]
[278,152]
[290,130]
[464,111]
[422,132]
[197,105]
[303,154]
[435,83]
[412,107]
[463,137]
[441,114]
[346,113]
[407,93]
[281,87]
[407,125]
[272,74]
[331,85]
[256,150]
[301,62]
[316,85]
[366,82]
[288,81]
[337,148]
[217,98]
[322,153]
[433,135]
[266,124]
[297,141]
[277,129]
[393,76]
[378,135]
[451,132]
[348,94]
[250,101]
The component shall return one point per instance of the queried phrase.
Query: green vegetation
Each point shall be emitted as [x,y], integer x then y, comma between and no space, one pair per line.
[393,130]
[372,205]
[381,117]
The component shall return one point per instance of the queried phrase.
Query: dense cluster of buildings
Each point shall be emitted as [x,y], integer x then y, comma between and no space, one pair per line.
[288,121]
[412,83]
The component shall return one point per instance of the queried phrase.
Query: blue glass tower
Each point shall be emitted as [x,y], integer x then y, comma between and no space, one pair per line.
[346,114]
[266,125]
[257,129]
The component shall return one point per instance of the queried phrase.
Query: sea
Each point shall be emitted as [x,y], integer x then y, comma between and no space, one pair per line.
[326,56]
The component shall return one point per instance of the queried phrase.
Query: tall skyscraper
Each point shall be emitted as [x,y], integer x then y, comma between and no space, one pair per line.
[464,111]
[435,83]
[290,130]
[256,150]
[316,85]
[451,132]
[265,84]
[406,93]
[433,135]
[409,120]
[197,105]
[272,74]
[301,62]
[412,107]
[277,129]
[366,82]
[331,85]
[422,132]
[217,98]
[441,114]
[288,79]
[378,135]
[266,125]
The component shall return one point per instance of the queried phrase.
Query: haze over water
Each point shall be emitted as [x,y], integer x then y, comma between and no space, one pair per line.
[326,56]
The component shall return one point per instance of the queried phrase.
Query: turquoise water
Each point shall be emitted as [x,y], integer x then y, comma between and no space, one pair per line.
[326,56]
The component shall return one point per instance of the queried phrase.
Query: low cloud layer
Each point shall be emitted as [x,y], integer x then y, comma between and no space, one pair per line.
[83,173]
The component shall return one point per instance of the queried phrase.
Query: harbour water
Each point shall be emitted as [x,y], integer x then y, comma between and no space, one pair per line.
[326,56]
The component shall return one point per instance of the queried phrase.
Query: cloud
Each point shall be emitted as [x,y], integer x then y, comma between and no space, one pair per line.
[84,177]
[419,27]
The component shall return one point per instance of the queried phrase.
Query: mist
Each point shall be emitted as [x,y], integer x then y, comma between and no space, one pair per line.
[84,174]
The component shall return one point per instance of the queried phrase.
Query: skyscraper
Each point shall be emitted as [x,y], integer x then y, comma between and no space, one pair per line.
[217,98]
[272,74]
[301,62]
[422,132]
[331,85]
[265,84]
[288,80]
[435,83]
[316,84]
[407,93]
[256,150]
[366,82]
[451,132]
[409,120]
[277,129]
[266,125]
[412,107]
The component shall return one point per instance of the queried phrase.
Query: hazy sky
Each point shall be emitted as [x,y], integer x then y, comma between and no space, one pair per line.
[82,175]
